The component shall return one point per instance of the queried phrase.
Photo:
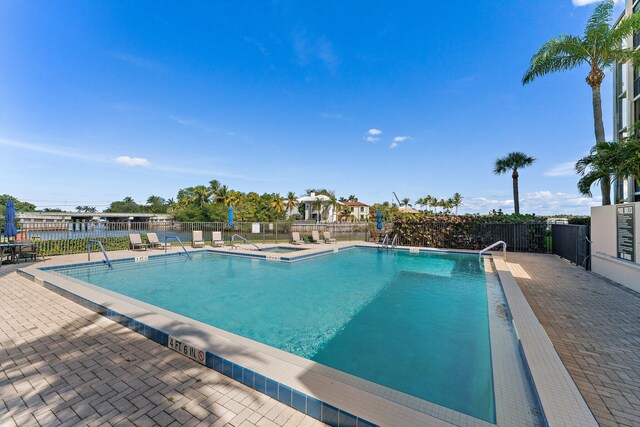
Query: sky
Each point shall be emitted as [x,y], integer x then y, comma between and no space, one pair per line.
[102,100]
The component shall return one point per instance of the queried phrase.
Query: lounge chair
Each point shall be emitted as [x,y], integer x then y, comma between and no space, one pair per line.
[295,238]
[328,238]
[196,239]
[315,236]
[136,242]
[155,243]
[216,238]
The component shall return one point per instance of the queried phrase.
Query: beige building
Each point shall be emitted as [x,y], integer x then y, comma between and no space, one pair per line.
[359,210]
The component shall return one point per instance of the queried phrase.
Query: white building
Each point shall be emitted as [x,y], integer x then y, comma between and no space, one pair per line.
[626,108]
[359,210]
[319,208]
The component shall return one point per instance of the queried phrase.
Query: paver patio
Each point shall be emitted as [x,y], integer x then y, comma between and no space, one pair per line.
[61,364]
[594,325]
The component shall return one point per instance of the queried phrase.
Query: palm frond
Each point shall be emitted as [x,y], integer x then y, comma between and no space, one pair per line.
[513,161]
[600,17]
[559,54]
[624,28]
[588,180]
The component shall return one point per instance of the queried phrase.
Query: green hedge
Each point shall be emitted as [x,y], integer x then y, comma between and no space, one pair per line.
[78,246]
[472,232]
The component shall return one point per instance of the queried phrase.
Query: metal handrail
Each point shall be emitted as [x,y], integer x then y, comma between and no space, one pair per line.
[498,243]
[101,248]
[384,241]
[242,238]
[179,241]
[394,243]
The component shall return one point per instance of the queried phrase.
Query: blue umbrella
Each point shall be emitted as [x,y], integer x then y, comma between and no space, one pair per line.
[379,220]
[10,217]
[230,221]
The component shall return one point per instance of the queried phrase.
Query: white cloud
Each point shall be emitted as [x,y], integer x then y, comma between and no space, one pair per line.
[586,2]
[400,138]
[372,139]
[538,202]
[374,132]
[393,145]
[125,160]
[133,161]
[562,169]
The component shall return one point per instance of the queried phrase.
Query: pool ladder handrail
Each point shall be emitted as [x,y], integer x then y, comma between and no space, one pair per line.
[385,242]
[179,241]
[498,243]
[106,258]
[242,238]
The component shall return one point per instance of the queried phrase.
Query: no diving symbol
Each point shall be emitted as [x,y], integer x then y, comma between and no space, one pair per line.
[201,356]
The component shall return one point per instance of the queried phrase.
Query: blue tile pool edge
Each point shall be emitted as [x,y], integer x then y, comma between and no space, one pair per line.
[261,256]
[313,407]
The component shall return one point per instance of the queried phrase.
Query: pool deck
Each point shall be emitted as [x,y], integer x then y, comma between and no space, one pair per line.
[62,364]
[594,325]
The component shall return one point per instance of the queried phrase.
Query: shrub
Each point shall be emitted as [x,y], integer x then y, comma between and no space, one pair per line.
[521,233]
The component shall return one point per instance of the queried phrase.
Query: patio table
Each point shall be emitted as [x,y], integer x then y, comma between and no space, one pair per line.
[14,248]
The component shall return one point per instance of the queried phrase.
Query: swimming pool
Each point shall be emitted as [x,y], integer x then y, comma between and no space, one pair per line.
[416,323]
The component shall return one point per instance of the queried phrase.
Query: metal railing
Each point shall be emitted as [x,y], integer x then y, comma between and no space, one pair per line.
[494,245]
[106,258]
[572,242]
[70,237]
[179,241]
[245,240]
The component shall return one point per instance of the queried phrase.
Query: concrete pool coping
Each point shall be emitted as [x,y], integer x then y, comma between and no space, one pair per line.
[354,396]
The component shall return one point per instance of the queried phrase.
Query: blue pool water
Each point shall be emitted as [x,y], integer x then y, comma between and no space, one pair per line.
[417,323]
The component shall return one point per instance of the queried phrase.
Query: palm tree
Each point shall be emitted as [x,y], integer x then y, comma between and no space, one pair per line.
[201,195]
[277,203]
[292,202]
[405,202]
[214,186]
[333,203]
[457,201]
[512,162]
[317,206]
[600,47]
[609,159]
[222,194]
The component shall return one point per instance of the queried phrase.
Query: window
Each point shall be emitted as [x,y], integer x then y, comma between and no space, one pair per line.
[636,110]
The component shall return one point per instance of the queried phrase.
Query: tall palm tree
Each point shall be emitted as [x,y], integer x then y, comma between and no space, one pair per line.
[201,195]
[334,204]
[513,162]
[292,202]
[457,201]
[317,206]
[600,47]
[214,186]
[222,194]
[277,203]
[405,202]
